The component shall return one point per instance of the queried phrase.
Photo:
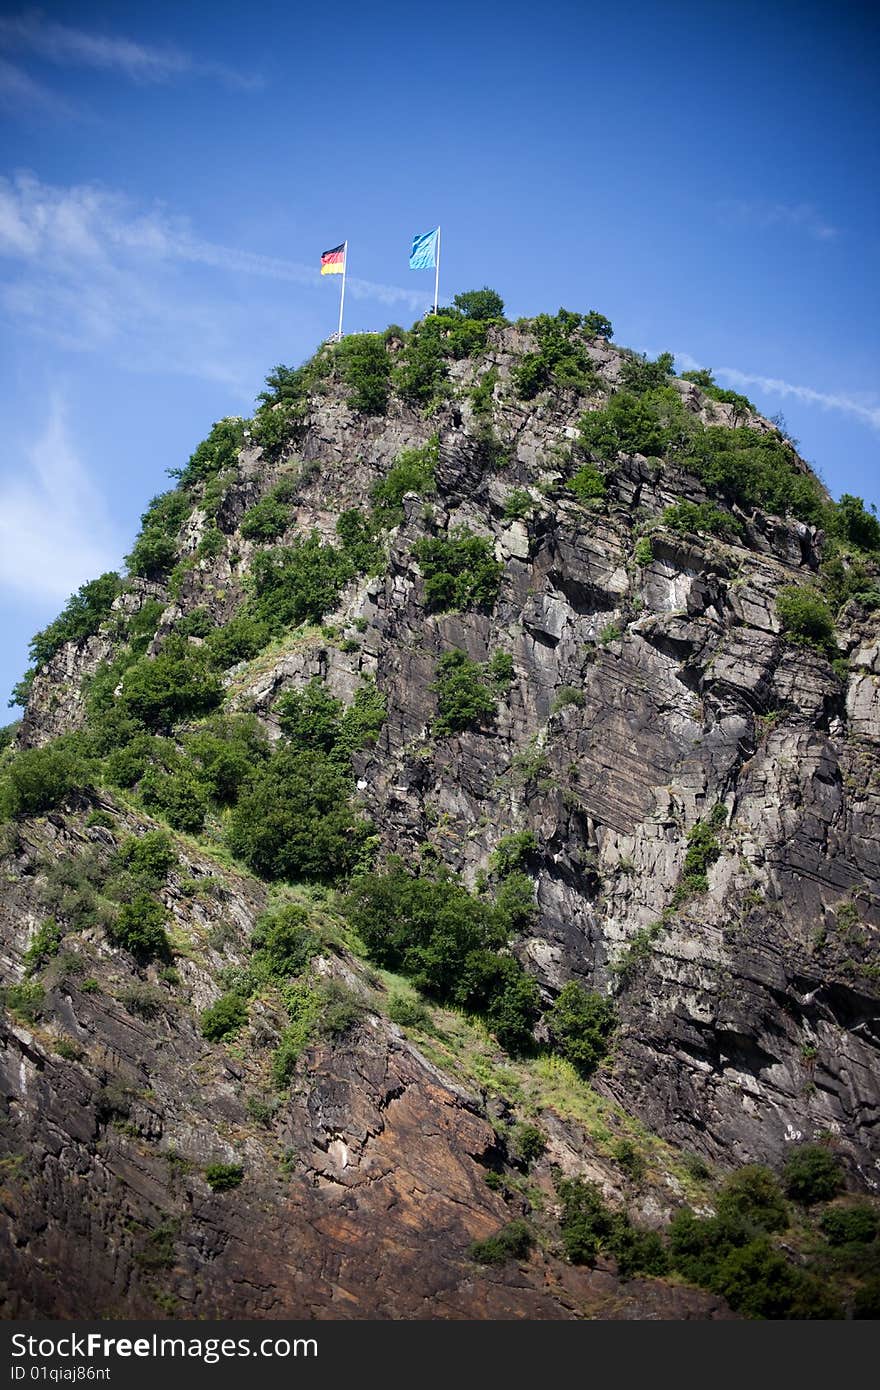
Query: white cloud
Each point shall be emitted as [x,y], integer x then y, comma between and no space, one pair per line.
[32,32]
[801,217]
[848,403]
[91,271]
[54,529]
[845,402]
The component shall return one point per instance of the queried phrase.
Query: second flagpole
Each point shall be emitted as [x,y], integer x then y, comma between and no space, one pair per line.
[437,276]
[342,290]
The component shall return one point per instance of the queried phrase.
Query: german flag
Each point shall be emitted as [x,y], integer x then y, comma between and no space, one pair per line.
[333,262]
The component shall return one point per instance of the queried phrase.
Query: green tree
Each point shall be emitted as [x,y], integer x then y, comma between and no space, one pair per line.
[806,617]
[298,583]
[480,304]
[464,699]
[38,779]
[294,820]
[175,684]
[460,570]
[81,616]
[140,927]
[580,1025]
[853,523]
[224,1018]
[812,1174]
[266,520]
[366,370]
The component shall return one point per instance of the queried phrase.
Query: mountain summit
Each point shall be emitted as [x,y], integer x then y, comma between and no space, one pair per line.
[441,877]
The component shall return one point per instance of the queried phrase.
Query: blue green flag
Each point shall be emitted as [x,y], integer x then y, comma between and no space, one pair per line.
[424,251]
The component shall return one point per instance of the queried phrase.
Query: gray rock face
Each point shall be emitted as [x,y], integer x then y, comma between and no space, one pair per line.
[752,1017]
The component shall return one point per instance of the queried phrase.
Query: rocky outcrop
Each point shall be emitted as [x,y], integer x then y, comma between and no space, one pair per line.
[646,692]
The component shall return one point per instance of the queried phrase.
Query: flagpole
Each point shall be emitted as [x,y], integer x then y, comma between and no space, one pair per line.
[342,291]
[437,276]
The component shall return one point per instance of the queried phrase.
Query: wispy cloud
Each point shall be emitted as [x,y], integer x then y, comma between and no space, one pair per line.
[799,217]
[89,270]
[858,405]
[845,402]
[19,92]
[32,32]
[54,529]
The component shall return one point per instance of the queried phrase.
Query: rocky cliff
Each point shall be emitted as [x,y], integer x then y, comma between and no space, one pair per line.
[688,768]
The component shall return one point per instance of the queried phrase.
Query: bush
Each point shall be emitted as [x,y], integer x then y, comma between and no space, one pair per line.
[588,485]
[197,623]
[515,901]
[498,989]
[464,699]
[215,454]
[25,1001]
[512,1242]
[266,520]
[759,1282]
[241,639]
[526,1143]
[629,1159]
[224,1019]
[366,370]
[640,375]
[294,820]
[752,1194]
[596,325]
[284,942]
[304,1006]
[704,849]
[513,852]
[357,534]
[175,684]
[857,1225]
[651,424]
[480,304]
[586,1223]
[567,696]
[140,927]
[43,945]
[314,719]
[561,360]
[150,856]
[811,1174]
[460,571]
[298,583]
[806,617]
[643,552]
[155,551]
[421,376]
[340,1009]
[38,779]
[412,471]
[407,1012]
[222,1177]
[580,1025]
[179,796]
[701,517]
[518,505]
[852,523]
[433,930]
[226,751]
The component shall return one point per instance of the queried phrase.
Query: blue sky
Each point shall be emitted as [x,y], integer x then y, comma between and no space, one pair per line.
[704,174]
